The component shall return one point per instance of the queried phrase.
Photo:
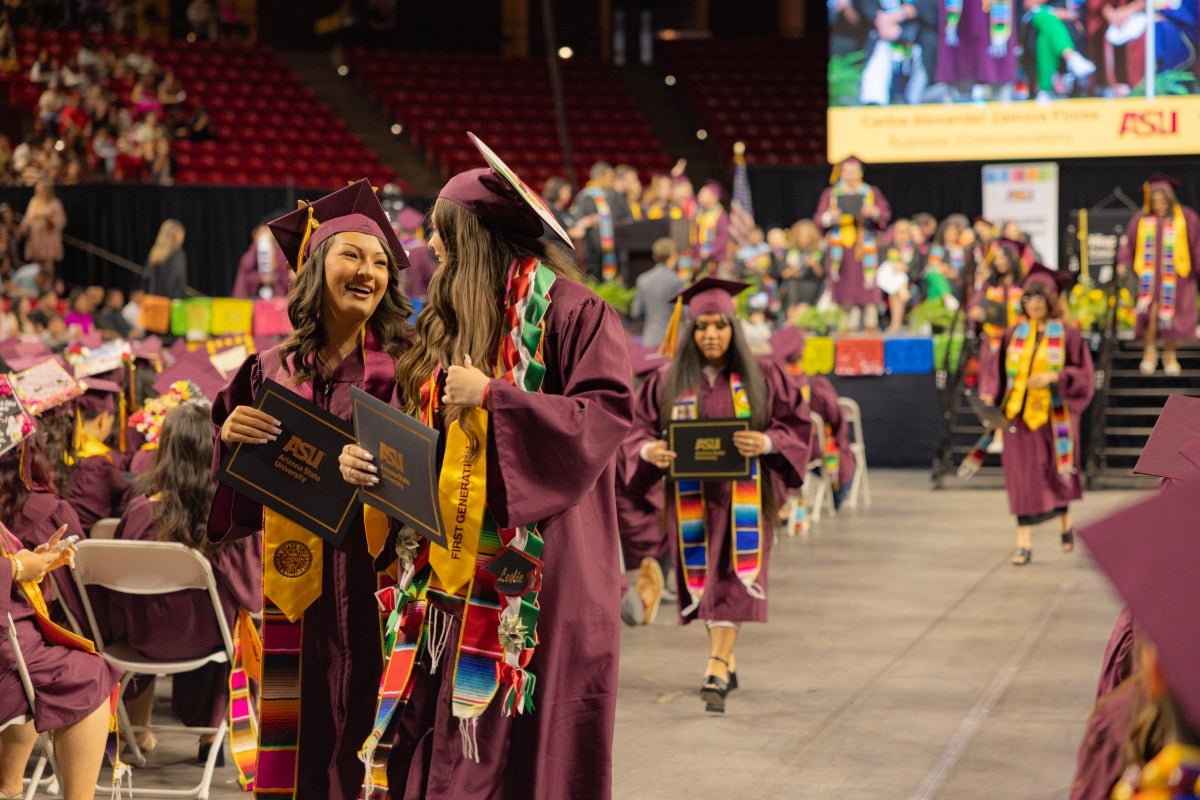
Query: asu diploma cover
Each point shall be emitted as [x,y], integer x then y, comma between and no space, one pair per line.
[406,456]
[704,449]
[297,475]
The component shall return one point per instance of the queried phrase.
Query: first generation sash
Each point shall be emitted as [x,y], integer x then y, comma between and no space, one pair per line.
[745,514]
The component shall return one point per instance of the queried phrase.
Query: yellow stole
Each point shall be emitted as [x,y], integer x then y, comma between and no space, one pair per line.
[1028,360]
[1183,256]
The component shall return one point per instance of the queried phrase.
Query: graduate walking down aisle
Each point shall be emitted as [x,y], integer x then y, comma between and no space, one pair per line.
[723,528]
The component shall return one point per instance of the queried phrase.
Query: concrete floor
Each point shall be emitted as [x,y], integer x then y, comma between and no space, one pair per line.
[905,659]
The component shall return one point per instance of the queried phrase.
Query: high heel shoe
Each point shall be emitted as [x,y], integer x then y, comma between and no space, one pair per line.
[1068,540]
[1022,556]
[733,684]
[203,752]
[713,690]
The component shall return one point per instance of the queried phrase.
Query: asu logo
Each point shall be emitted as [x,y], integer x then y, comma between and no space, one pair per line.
[1149,123]
[708,443]
[391,457]
[305,452]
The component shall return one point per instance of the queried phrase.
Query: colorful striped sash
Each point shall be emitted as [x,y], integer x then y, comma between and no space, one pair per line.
[1176,262]
[745,514]
[848,231]
[604,226]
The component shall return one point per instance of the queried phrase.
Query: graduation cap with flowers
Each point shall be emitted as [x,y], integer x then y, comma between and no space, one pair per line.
[499,197]
[15,422]
[354,208]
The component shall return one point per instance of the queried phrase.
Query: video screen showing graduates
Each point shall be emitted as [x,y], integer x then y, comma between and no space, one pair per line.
[931,80]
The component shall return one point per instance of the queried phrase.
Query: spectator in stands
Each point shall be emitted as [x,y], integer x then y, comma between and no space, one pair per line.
[656,288]
[17,322]
[109,318]
[79,315]
[600,199]
[42,227]
[172,505]
[49,106]
[198,127]
[104,149]
[90,60]
[1161,249]
[138,62]
[202,20]
[171,92]
[627,184]
[72,76]
[143,96]
[133,309]
[166,272]
[8,240]
[74,123]
[71,686]
[801,275]
[853,214]
[47,309]
[900,268]
[158,152]
[44,69]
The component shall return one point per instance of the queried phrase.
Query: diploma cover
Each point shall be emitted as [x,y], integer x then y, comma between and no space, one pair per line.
[704,449]
[850,205]
[991,416]
[298,474]
[406,456]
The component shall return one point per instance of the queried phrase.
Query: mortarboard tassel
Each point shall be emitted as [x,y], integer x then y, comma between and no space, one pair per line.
[311,226]
[669,342]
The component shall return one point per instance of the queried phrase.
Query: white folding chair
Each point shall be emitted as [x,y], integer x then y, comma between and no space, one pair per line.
[104,528]
[818,493]
[152,568]
[46,759]
[861,483]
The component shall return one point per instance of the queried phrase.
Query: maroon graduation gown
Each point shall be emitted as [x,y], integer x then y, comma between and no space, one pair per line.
[98,490]
[342,659]
[180,625]
[43,513]
[1030,472]
[848,289]
[421,266]
[970,60]
[789,429]
[550,461]
[68,684]
[639,520]
[1184,323]
[248,280]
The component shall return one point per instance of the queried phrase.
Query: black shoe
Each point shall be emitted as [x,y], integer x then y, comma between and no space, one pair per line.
[714,690]
[1068,540]
[1022,556]
[205,749]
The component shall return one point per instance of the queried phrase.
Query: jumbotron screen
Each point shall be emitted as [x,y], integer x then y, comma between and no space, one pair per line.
[964,80]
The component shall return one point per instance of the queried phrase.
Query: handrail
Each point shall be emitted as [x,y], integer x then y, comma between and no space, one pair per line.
[950,382]
[1097,449]
[106,255]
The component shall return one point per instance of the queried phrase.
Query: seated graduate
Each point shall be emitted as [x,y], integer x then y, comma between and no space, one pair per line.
[98,488]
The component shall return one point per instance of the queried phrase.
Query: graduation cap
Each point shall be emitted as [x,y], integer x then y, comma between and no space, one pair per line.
[517,573]
[501,199]
[410,219]
[1055,279]
[98,396]
[1161,181]
[787,344]
[836,174]
[44,384]
[1178,425]
[195,366]
[15,421]
[354,208]
[715,188]
[1149,551]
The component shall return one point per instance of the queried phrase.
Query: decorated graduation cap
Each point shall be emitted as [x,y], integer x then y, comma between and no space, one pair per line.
[705,296]
[1149,551]
[1054,279]
[44,384]
[1178,426]
[354,208]
[1158,181]
[195,367]
[501,199]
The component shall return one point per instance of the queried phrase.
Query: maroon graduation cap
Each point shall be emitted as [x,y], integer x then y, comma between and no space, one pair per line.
[1158,180]
[1055,279]
[711,296]
[1178,426]
[409,219]
[787,344]
[1150,552]
[99,396]
[354,208]
[501,199]
[193,366]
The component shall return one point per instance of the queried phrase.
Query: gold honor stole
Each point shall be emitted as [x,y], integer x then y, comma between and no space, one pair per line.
[56,634]
[1026,356]
[293,562]
[1176,261]
[849,231]
[745,513]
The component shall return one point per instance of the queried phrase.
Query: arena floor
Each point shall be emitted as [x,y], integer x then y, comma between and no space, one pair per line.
[905,658]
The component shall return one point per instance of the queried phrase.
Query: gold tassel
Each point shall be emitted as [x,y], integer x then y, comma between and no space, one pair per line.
[836,174]
[122,408]
[309,227]
[1146,197]
[667,348]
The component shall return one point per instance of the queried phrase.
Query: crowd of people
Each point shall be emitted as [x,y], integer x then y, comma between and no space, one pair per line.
[104,113]
[918,51]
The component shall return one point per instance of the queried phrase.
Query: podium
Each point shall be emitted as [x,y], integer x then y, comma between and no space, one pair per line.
[635,239]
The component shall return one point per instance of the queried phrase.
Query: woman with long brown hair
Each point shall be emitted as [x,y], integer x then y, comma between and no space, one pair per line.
[525,372]
[350,318]
[166,272]
[721,529]
[172,506]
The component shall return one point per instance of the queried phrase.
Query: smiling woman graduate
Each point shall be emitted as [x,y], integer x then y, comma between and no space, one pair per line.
[349,311]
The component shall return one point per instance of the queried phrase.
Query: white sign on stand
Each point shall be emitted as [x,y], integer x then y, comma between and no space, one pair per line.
[1028,195]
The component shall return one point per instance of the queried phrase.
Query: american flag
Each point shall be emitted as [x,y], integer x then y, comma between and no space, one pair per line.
[741,208]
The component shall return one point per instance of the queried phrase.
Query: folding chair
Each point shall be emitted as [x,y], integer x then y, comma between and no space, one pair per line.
[861,484]
[47,756]
[818,494]
[152,568]
[104,528]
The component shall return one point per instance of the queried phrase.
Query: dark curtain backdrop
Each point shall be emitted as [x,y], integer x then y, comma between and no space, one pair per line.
[783,195]
[124,218]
